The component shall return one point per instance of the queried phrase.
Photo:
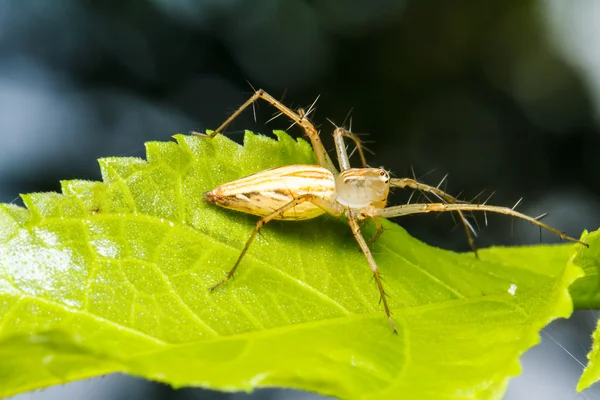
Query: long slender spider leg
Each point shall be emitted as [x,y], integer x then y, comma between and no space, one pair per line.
[416,185]
[321,155]
[378,233]
[442,195]
[365,249]
[318,201]
[406,209]
[340,147]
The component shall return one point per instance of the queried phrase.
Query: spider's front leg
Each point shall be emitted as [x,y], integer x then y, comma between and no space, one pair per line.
[413,184]
[421,208]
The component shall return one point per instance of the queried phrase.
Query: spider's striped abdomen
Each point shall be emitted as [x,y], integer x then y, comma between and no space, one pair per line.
[266,191]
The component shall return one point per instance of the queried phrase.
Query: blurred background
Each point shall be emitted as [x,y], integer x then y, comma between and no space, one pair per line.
[504,96]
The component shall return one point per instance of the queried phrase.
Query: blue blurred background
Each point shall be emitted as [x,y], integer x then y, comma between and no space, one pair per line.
[503,95]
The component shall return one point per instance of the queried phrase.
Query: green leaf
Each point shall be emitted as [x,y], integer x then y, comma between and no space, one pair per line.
[113,277]
[586,295]
[586,291]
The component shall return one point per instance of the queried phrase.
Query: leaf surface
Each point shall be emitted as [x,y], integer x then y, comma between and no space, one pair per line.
[113,276]
[586,295]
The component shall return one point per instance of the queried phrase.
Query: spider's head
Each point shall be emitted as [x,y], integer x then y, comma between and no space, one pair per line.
[358,188]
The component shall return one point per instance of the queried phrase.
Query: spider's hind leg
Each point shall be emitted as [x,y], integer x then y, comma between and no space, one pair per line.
[298,118]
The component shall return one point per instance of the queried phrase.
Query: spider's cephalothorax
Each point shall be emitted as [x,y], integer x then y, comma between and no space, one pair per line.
[358,188]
